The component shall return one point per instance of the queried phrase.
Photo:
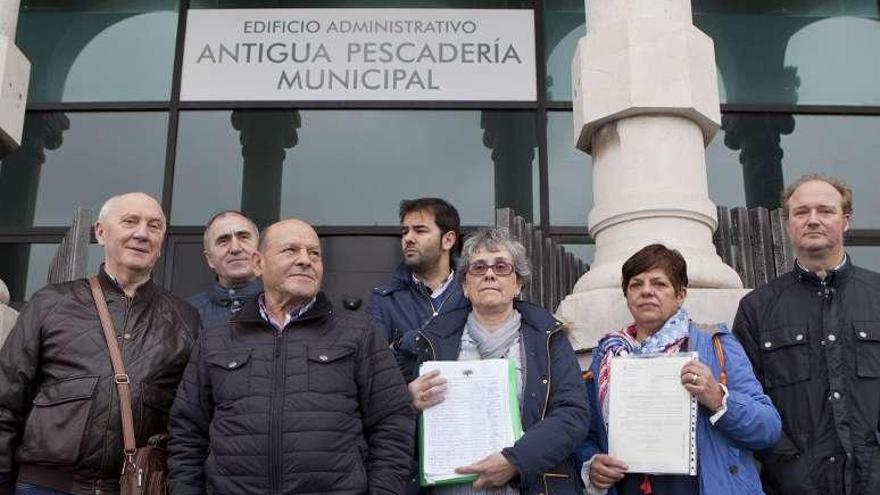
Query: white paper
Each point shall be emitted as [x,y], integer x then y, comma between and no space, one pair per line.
[474,420]
[652,417]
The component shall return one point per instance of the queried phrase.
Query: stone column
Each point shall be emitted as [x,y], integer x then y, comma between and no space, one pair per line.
[645,107]
[15,70]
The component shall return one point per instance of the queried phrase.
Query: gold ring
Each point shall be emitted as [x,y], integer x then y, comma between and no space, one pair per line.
[424,397]
[695,379]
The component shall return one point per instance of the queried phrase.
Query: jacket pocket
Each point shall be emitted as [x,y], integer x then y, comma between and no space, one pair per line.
[55,427]
[867,340]
[785,355]
[230,374]
[331,369]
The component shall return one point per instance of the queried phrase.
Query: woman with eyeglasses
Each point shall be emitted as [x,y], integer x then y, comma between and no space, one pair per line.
[555,414]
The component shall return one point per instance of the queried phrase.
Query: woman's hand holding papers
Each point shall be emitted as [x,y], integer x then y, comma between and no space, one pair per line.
[605,471]
[493,471]
[697,379]
[427,390]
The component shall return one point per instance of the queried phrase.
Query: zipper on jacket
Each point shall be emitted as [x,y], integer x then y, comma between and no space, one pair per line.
[430,344]
[550,334]
[276,411]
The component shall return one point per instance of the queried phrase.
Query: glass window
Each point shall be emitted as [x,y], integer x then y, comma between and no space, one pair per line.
[569,172]
[442,4]
[865,256]
[563,26]
[584,252]
[783,52]
[112,51]
[335,167]
[25,267]
[778,148]
[789,52]
[77,160]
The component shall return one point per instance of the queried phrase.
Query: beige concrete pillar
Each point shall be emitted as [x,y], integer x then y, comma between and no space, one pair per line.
[645,107]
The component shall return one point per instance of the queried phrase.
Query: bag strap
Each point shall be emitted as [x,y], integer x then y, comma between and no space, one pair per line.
[719,353]
[123,384]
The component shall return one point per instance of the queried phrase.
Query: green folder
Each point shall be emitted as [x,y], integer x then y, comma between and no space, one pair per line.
[515,425]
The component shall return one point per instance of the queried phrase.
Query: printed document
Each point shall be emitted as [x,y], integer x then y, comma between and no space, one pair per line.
[651,417]
[479,417]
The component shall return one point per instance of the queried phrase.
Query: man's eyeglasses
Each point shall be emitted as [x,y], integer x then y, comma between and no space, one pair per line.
[499,268]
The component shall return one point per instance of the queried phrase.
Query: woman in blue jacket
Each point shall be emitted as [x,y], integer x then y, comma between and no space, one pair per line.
[554,410]
[732,420]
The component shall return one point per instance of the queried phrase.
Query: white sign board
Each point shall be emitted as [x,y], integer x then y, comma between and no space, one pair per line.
[359,54]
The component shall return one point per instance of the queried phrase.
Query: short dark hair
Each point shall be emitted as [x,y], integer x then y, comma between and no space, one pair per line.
[656,256]
[224,214]
[839,184]
[445,216]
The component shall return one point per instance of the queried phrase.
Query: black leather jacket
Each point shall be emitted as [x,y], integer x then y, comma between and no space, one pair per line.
[815,347]
[59,414]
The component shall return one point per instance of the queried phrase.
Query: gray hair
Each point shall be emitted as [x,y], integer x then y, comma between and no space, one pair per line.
[495,239]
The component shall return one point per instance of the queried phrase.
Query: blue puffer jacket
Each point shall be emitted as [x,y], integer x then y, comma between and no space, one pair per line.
[725,465]
[555,413]
[400,306]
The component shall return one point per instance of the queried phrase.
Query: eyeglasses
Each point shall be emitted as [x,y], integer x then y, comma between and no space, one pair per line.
[499,268]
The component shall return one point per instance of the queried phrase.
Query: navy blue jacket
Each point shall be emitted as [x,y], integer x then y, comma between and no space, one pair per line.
[401,305]
[555,412]
[217,304]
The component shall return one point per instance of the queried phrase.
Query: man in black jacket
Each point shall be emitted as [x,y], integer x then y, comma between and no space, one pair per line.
[60,428]
[813,336]
[290,396]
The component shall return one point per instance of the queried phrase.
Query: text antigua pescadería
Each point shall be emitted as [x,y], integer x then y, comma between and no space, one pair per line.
[371,65]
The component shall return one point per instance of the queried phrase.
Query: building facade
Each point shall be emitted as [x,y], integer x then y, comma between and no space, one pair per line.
[800,92]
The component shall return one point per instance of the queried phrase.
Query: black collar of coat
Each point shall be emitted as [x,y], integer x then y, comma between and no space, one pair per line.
[250,312]
[112,290]
[833,278]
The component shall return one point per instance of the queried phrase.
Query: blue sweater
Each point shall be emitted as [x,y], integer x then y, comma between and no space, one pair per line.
[724,450]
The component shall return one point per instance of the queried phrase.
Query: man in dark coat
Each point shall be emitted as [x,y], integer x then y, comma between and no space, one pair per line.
[230,241]
[60,428]
[290,396]
[423,286]
[813,336]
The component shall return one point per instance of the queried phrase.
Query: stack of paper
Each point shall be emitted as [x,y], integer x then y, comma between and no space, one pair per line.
[479,417]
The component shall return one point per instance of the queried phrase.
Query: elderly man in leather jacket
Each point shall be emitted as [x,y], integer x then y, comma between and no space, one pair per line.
[60,429]
[813,336]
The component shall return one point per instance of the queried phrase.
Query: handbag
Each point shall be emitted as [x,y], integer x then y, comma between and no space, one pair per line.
[144,469]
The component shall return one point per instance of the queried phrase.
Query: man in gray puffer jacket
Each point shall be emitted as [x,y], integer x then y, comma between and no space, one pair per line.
[290,396]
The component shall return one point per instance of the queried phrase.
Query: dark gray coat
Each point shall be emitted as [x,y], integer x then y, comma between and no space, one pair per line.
[815,347]
[318,408]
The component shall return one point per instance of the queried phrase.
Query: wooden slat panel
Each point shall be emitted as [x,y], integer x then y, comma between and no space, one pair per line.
[783,254]
[504,218]
[762,245]
[531,289]
[538,273]
[559,258]
[549,273]
[71,259]
[742,250]
[723,237]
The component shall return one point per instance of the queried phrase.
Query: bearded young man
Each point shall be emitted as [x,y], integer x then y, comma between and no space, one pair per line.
[423,286]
